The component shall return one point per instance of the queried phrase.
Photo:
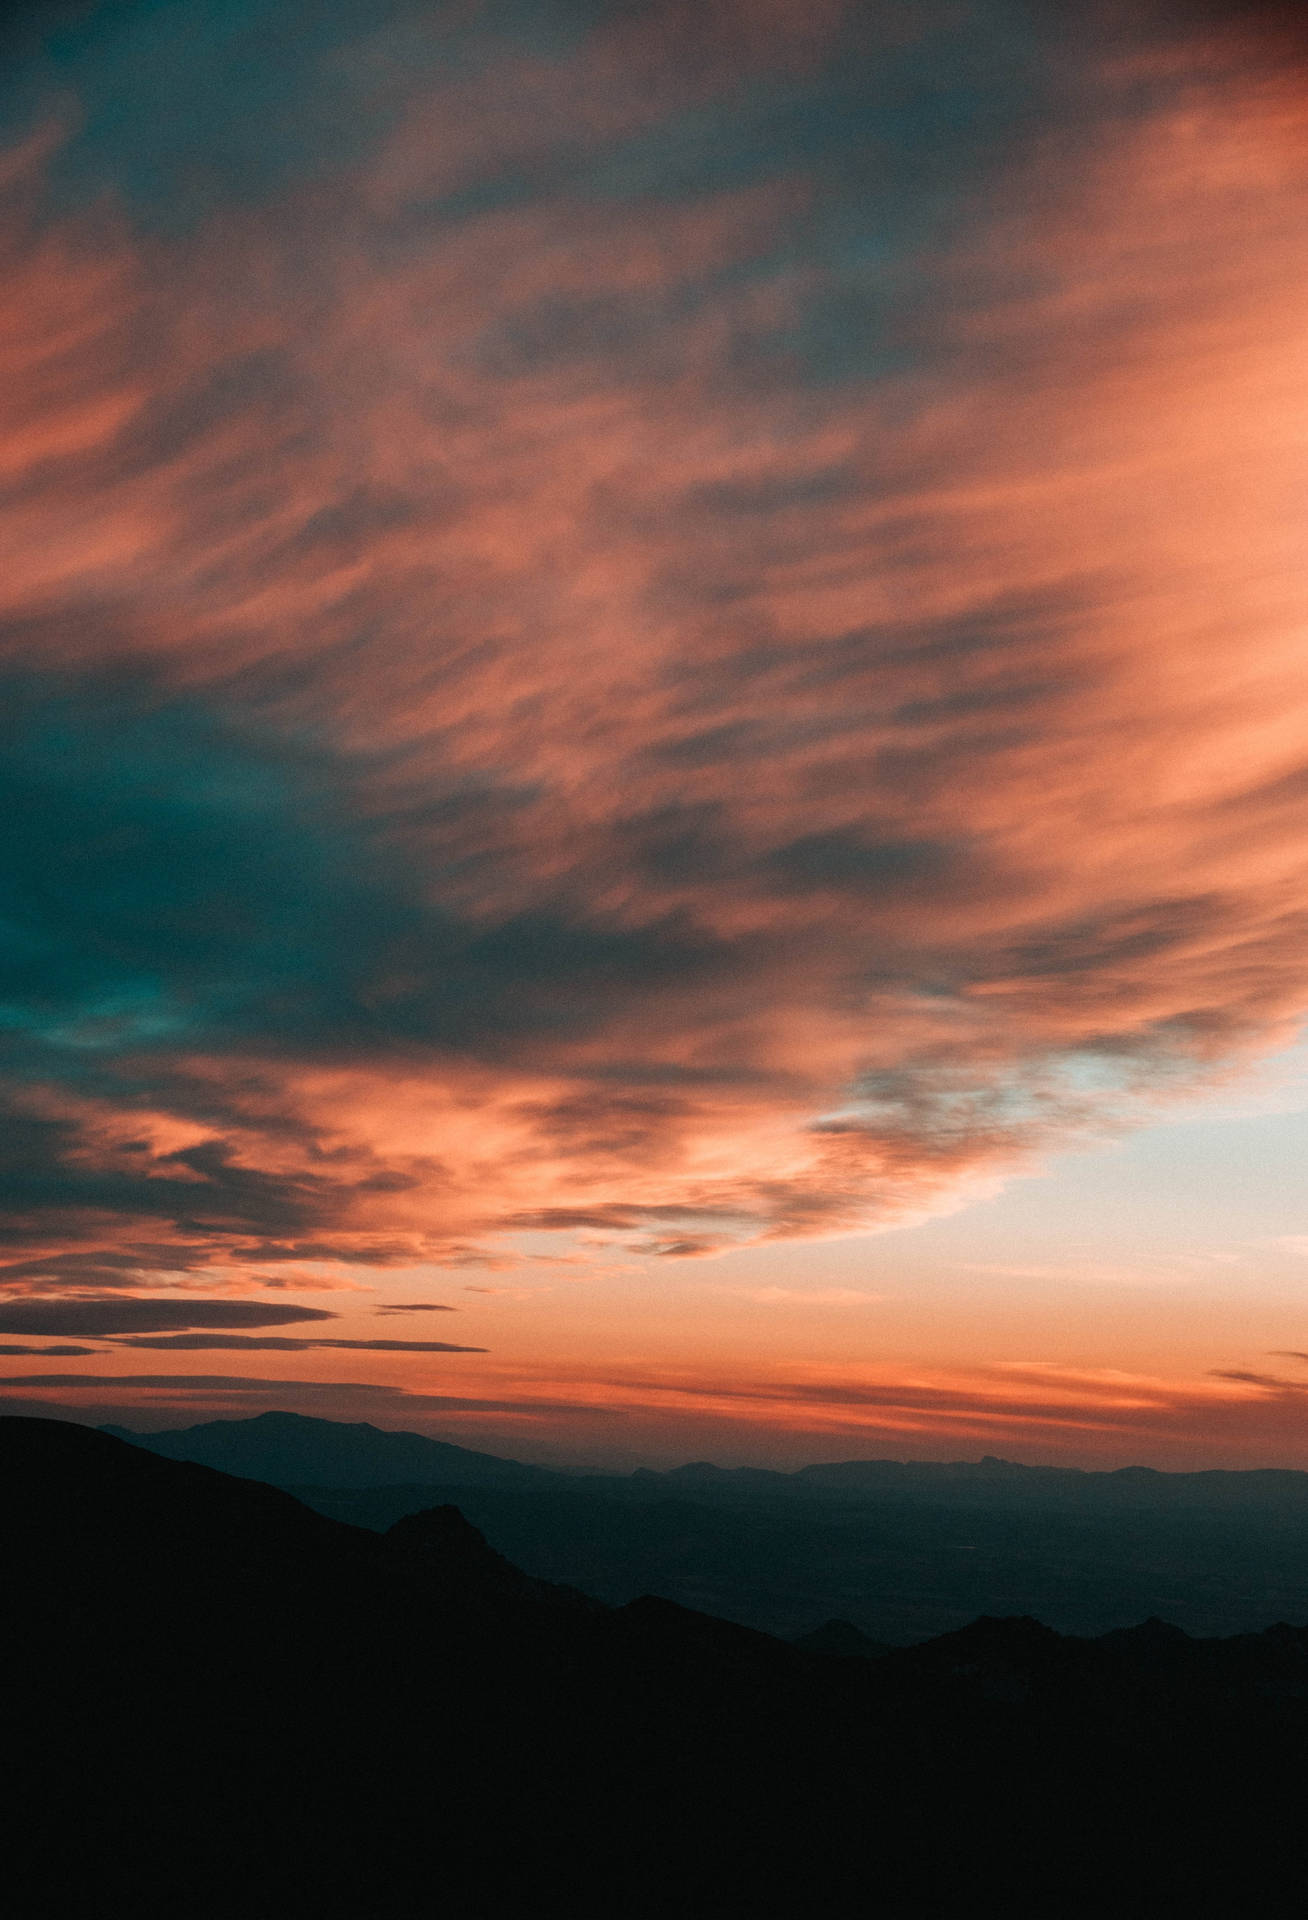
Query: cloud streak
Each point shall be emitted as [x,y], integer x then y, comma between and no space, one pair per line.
[1028,1409]
[414,1306]
[64,1352]
[130,1316]
[196,1342]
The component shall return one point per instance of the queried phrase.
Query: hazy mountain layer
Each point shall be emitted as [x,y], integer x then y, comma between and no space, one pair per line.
[291,1447]
[901,1549]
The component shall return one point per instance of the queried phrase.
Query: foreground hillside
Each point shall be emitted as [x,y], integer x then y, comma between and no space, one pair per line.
[224,1705]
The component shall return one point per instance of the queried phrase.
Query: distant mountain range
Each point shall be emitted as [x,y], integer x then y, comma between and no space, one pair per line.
[296,1449]
[982,1480]
[900,1550]
[293,1449]
[221,1704]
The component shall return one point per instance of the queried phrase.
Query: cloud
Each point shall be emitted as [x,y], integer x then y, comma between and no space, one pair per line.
[1244,1376]
[66,1352]
[211,1391]
[688,1247]
[180,1263]
[718,658]
[190,1383]
[1029,1409]
[194,1342]
[420,1306]
[199,1383]
[99,1317]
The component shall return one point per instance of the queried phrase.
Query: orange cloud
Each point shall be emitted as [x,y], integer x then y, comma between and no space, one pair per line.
[646,783]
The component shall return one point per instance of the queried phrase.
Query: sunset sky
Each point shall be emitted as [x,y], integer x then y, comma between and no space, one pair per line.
[654,731]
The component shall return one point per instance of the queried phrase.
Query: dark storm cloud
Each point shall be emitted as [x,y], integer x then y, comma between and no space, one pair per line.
[186,882]
[155,90]
[100,1317]
[47,1178]
[187,879]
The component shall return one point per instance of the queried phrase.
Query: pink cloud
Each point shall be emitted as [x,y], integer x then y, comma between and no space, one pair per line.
[913,762]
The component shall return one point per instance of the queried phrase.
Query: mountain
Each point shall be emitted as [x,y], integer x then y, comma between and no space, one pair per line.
[842,1639]
[221,1704]
[903,1550]
[292,1449]
[992,1481]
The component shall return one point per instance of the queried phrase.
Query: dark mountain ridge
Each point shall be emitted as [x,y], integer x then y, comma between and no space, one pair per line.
[296,1449]
[965,1481]
[228,1705]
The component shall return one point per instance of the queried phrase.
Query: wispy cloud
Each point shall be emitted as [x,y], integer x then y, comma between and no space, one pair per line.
[1028,1408]
[694,632]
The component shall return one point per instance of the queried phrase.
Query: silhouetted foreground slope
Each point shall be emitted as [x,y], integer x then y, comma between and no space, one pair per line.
[221,1704]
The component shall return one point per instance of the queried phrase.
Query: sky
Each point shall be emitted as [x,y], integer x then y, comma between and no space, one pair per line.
[654,724]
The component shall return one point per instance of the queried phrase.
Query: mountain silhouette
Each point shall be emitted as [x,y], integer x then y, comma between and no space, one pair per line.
[296,1450]
[440,1541]
[903,1550]
[842,1640]
[222,1705]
